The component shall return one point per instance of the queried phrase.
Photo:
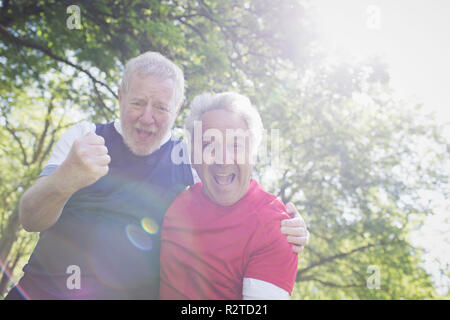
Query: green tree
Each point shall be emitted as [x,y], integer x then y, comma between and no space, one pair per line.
[355,162]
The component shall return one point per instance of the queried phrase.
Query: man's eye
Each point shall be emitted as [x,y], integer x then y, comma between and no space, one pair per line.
[162,108]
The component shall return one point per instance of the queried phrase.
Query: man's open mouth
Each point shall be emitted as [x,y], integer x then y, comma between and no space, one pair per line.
[143,134]
[224,179]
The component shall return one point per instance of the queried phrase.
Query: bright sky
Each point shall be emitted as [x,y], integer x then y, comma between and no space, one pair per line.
[413,38]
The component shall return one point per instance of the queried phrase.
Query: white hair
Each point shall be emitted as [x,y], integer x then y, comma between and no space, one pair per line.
[154,63]
[230,101]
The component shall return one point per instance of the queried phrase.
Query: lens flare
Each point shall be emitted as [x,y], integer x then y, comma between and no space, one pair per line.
[149,225]
[139,238]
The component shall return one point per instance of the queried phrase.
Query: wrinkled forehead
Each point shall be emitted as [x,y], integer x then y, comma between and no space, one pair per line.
[223,120]
[221,126]
[151,86]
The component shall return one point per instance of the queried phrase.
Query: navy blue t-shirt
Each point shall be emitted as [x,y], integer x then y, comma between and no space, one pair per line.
[110,230]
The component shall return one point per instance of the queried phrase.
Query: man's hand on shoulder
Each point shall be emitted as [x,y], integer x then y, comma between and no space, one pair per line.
[295,229]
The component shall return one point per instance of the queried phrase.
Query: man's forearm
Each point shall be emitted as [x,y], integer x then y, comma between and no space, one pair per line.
[41,205]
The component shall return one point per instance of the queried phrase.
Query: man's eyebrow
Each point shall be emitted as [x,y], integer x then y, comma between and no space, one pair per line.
[138,99]
[161,102]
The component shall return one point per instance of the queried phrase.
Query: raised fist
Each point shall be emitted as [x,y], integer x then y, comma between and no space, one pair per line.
[87,161]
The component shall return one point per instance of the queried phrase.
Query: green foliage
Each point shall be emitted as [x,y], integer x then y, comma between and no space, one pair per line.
[352,159]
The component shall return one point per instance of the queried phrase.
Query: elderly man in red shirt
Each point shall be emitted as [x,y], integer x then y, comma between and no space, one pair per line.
[221,238]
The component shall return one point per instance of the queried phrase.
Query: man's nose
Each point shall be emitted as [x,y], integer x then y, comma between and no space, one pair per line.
[226,157]
[147,116]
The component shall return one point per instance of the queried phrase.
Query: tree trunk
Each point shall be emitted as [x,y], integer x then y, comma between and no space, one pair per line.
[7,240]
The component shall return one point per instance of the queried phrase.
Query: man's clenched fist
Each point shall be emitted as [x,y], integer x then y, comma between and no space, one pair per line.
[87,161]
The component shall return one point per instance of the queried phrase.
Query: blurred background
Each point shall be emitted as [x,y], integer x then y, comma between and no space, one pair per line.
[359,91]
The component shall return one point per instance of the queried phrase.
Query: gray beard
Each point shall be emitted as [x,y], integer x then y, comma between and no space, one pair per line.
[130,146]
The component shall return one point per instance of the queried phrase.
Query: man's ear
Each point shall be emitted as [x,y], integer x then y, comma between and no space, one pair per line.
[118,94]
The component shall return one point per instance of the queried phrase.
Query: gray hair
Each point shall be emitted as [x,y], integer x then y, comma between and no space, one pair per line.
[230,101]
[154,63]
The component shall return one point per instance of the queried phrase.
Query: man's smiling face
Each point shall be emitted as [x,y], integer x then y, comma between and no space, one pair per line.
[225,179]
[147,112]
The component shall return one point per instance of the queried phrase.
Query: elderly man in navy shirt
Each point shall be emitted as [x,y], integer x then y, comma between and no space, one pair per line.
[101,198]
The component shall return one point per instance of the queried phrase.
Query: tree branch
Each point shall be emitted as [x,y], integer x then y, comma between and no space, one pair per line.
[15,137]
[38,148]
[335,285]
[29,44]
[331,258]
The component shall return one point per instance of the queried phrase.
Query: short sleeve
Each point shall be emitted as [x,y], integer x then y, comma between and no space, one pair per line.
[272,258]
[64,144]
[48,170]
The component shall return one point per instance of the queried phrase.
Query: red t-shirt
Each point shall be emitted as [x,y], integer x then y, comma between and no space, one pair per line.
[207,249]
